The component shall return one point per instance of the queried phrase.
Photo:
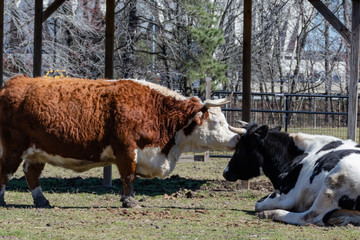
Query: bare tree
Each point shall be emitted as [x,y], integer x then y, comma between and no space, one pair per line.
[161,41]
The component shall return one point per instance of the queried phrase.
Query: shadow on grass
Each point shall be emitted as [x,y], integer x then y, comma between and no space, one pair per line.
[253,213]
[149,187]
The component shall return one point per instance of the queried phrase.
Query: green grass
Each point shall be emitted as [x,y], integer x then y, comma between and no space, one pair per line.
[194,203]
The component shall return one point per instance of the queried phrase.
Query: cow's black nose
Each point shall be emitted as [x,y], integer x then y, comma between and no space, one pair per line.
[229,176]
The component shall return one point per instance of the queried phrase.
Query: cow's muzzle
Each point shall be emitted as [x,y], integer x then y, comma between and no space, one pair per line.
[229,176]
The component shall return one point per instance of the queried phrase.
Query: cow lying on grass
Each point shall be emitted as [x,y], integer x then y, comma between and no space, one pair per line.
[316,178]
[80,124]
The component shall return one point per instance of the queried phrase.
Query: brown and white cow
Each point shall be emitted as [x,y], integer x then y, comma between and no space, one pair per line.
[80,124]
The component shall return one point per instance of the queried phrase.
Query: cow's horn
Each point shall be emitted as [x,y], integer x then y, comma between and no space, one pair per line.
[218,102]
[237,130]
[242,123]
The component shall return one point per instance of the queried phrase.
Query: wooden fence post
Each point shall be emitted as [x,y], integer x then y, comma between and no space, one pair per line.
[207,96]
[354,70]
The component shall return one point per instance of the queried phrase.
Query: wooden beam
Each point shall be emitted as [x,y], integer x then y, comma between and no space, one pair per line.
[109,65]
[207,96]
[1,42]
[109,39]
[246,98]
[51,9]
[40,17]
[354,70]
[37,38]
[332,19]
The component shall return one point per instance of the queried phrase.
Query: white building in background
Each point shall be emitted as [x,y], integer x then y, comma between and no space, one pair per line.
[312,60]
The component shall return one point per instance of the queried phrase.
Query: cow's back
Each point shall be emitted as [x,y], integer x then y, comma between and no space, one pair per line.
[79,118]
[70,116]
[13,93]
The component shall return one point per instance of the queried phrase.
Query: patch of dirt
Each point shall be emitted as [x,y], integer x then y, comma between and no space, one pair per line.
[257,184]
[261,185]
[183,193]
[164,214]
[213,187]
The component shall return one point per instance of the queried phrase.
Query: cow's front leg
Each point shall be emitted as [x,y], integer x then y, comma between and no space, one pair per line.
[276,215]
[311,216]
[32,174]
[319,213]
[127,168]
[276,200]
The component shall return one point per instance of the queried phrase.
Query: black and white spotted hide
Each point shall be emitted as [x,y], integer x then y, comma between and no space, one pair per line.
[316,177]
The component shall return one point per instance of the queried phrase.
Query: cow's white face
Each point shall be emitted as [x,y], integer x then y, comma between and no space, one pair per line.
[211,132]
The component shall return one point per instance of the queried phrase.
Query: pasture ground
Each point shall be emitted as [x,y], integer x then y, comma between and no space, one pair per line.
[194,203]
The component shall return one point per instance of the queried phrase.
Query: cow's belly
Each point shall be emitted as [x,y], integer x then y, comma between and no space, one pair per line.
[150,162]
[35,155]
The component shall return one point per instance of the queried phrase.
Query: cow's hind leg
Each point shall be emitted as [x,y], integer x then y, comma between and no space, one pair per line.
[13,145]
[32,173]
[2,192]
[3,182]
[8,166]
[343,217]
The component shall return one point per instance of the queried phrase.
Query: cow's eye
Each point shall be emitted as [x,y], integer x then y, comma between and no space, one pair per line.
[213,124]
[217,123]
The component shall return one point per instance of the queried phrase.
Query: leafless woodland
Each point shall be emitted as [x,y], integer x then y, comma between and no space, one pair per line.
[294,48]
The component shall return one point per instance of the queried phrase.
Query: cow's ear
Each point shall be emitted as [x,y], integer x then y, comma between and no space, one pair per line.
[198,117]
[276,129]
[262,132]
[201,116]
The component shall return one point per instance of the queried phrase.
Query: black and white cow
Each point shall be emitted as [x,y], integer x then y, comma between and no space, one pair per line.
[316,177]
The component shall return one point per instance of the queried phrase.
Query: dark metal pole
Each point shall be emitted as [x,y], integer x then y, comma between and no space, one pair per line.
[109,65]
[37,38]
[247,61]
[287,104]
[1,42]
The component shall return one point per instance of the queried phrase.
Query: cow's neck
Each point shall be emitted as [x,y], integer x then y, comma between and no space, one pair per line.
[176,117]
[279,152]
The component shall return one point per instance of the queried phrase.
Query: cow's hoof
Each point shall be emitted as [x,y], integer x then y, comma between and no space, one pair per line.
[130,202]
[2,203]
[262,214]
[42,203]
[276,214]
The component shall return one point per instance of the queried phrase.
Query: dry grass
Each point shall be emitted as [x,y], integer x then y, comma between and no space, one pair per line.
[195,203]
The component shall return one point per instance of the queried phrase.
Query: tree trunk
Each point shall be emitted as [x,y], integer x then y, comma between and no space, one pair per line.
[128,55]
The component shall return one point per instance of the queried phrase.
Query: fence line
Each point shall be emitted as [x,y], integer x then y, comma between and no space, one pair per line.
[308,113]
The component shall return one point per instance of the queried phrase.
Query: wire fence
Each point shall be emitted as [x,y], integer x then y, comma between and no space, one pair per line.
[307,113]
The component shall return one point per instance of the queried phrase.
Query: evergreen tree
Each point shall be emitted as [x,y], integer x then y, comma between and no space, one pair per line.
[205,38]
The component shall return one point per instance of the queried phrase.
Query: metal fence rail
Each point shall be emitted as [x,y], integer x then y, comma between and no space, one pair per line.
[308,113]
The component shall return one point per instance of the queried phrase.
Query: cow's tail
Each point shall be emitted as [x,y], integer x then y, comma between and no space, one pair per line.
[343,217]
